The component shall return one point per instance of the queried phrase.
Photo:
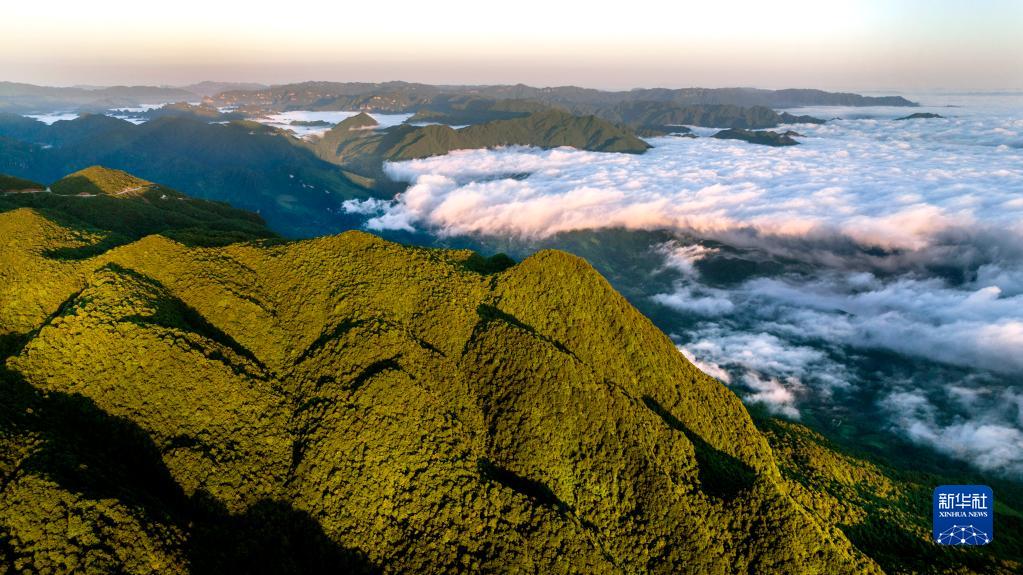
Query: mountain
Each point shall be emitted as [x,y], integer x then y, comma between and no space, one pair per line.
[382,97]
[660,118]
[762,137]
[579,99]
[245,163]
[648,117]
[97,180]
[921,116]
[28,98]
[548,129]
[346,404]
[18,127]
[408,97]
[312,123]
[442,103]
[211,88]
[197,111]
[467,109]
[787,98]
[651,117]
[356,123]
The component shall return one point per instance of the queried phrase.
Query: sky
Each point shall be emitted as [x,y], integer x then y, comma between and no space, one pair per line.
[908,45]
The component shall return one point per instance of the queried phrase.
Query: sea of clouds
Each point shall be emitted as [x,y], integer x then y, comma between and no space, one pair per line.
[899,236]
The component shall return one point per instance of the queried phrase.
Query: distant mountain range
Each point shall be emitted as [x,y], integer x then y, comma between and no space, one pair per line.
[28,98]
[212,152]
[651,111]
[410,97]
[210,88]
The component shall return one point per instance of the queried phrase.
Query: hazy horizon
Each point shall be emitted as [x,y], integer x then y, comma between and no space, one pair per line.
[513,81]
[865,45]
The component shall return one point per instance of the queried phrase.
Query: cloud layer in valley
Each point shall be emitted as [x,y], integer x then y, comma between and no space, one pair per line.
[887,237]
[801,340]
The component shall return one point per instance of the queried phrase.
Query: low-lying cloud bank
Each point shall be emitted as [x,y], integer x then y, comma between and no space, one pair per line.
[991,438]
[902,237]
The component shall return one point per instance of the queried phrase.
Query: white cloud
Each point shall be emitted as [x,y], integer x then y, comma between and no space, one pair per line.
[366,207]
[987,438]
[683,257]
[709,367]
[778,397]
[971,326]
[686,299]
[769,369]
[792,341]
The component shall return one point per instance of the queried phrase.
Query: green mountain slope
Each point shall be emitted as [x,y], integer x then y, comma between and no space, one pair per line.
[346,404]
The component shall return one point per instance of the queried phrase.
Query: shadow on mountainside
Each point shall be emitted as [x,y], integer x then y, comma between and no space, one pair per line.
[68,440]
[721,475]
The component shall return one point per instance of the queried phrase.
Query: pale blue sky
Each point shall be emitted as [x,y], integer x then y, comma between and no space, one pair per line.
[837,44]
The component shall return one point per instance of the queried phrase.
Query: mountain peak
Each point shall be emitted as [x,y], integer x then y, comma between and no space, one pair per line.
[118,207]
[99,180]
[360,121]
